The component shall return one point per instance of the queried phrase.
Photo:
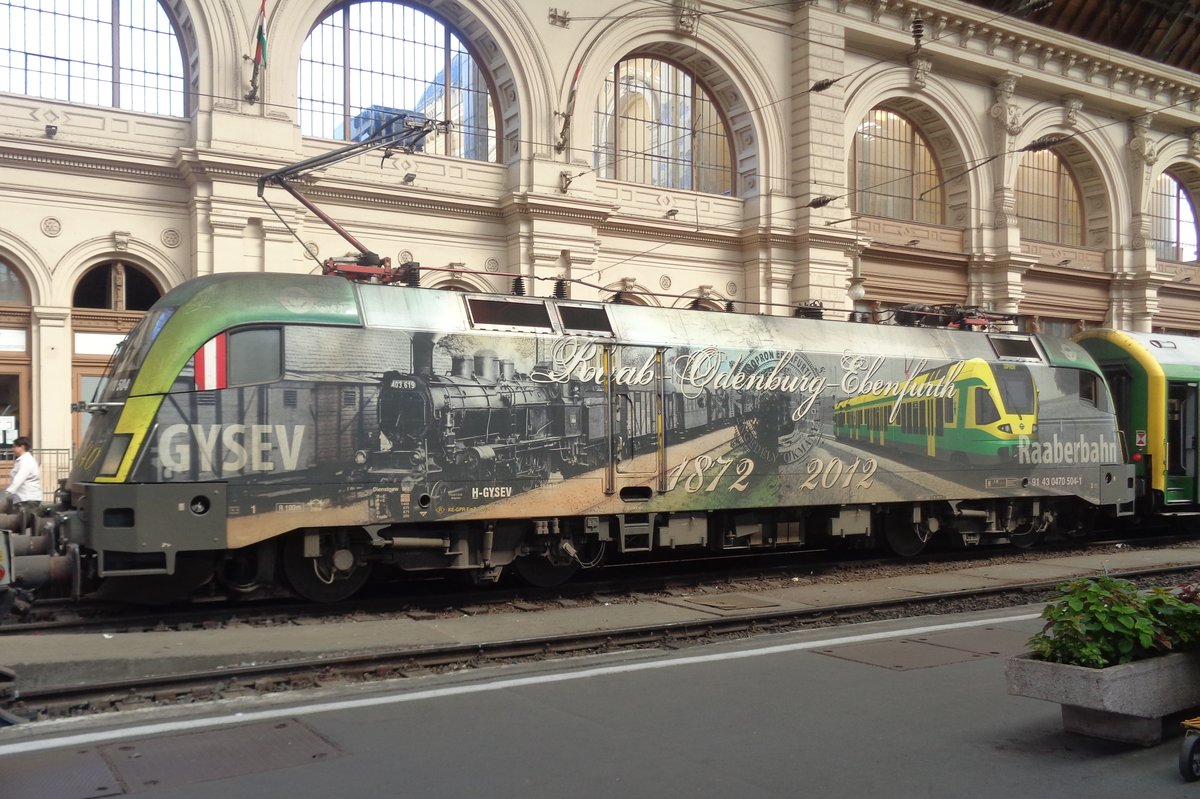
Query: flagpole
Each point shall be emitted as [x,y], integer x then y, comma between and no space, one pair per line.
[252,95]
[260,53]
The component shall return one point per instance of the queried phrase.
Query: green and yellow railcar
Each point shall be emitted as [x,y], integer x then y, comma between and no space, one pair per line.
[1154,379]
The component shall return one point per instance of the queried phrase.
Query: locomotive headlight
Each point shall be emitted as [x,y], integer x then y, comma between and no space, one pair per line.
[360,457]
[114,455]
[1005,428]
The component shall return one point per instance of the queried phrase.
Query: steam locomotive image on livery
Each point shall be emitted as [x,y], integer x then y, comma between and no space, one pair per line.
[280,432]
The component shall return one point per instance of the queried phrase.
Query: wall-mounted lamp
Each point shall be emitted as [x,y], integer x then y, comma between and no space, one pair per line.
[409,177]
[912,242]
[1065,262]
[51,131]
[674,212]
[857,289]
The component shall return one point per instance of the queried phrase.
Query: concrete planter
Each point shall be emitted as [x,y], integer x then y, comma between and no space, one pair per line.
[1126,703]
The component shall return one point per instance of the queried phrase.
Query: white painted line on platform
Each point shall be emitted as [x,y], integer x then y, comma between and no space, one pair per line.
[187,725]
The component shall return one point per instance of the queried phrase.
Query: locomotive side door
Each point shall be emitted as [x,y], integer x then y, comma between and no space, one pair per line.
[637,410]
[1182,471]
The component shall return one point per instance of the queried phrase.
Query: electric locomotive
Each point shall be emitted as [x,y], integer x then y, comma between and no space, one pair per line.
[269,431]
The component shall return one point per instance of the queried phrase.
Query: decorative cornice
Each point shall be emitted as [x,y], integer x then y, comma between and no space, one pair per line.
[98,320]
[654,232]
[459,207]
[14,316]
[1038,48]
[543,206]
[77,164]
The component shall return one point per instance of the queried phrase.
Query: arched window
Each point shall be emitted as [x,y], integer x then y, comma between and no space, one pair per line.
[657,124]
[1047,197]
[115,286]
[1174,215]
[895,173]
[365,63]
[119,53]
[12,287]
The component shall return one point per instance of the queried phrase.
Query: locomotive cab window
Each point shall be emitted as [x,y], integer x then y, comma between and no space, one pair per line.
[255,356]
[1089,389]
[509,314]
[237,358]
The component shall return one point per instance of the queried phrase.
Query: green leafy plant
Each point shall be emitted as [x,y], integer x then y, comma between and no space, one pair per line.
[1104,621]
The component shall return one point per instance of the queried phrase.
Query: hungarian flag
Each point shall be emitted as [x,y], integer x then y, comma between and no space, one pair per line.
[210,365]
[260,36]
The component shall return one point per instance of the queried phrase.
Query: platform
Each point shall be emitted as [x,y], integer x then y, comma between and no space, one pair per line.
[42,661]
[912,707]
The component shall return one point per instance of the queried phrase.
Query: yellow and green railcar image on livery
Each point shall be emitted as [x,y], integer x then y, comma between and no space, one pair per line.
[1154,378]
[269,432]
[963,409]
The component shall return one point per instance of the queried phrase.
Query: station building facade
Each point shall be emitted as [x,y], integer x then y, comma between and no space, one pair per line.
[726,156]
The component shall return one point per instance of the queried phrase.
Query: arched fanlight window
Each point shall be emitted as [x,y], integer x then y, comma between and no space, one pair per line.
[365,63]
[655,123]
[895,174]
[12,287]
[1048,203]
[1174,215]
[119,53]
[115,286]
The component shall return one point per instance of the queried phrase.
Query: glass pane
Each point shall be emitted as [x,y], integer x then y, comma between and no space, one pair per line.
[655,124]
[369,62]
[896,175]
[1047,200]
[12,287]
[65,51]
[1173,220]
[254,356]
[11,417]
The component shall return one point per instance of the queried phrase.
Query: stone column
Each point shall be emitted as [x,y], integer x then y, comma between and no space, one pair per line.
[50,386]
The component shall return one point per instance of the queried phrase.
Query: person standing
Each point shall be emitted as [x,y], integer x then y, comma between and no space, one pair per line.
[25,479]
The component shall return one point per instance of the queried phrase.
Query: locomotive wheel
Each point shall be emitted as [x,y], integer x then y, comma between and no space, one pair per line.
[327,577]
[903,537]
[1189,757]
[905,541]
[540,572]
[1027,535]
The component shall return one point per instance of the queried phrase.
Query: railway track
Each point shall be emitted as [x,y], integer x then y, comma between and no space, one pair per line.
[188,686]
[429,599]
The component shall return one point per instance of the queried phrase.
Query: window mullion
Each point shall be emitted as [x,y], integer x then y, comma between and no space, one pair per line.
[116,51]
[346,115]
[447,100]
